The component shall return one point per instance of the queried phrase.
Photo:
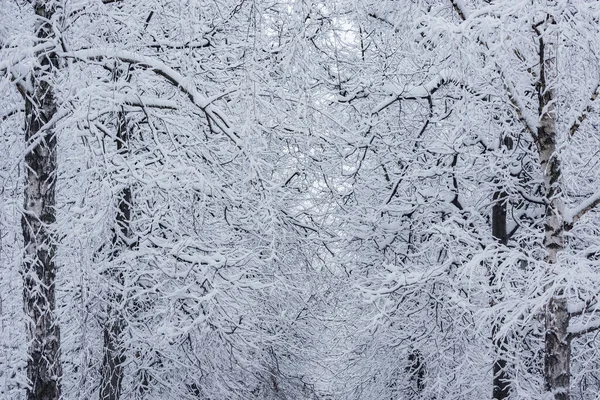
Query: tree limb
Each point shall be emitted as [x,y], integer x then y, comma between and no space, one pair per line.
[529,125]
[134,100]
[574,214]
[7,64]
[584,114]
[576,331]
[416,92]
[460,9]
[184,84]
[9,113]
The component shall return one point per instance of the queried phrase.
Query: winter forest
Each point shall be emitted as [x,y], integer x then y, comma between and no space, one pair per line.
[299,200]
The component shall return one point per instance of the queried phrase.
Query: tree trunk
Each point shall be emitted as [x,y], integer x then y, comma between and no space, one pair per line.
[557,358]
[39,215]
[416,368]
[114,352]
[557,375]
[114,356]
[557,339]
[501,378]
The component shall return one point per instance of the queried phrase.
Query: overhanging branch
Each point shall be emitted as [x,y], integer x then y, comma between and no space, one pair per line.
[8,64]
[184,84]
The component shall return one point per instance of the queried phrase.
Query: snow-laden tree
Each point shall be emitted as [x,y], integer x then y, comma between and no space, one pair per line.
[538,76]
[299,200]
[38,215]
[472,193]
[178,235]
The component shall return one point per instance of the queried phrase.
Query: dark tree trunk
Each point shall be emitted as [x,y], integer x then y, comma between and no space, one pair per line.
[114,352]
[501,378]
[416,368]
[39,269]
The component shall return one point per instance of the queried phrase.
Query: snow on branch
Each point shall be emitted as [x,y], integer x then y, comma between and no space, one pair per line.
[8,64]
[460,9]
[183,83]
[529,123]
[416,92]
[188,252]
[574,214]
[580,329]
[10,112]
[584,114]
[588,306]
[175,45]
[134,100]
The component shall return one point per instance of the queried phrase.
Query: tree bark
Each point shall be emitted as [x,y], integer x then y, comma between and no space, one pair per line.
[114,352]
[39,215]
[501,378]
[416,368]
[557,374]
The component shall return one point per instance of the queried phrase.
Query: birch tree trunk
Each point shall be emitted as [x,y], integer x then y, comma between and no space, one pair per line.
[557,358]
[39,268]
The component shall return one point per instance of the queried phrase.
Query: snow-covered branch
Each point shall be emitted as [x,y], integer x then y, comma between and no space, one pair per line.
[183,83]
[588,306]
[528,123]
[134,100]
[574,214]
[8,64]
[576,330]
[460,9]
[416,92]
[584,114]
[10,112]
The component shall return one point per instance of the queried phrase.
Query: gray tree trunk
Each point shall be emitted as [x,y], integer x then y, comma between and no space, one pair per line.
[114,352]
[39,269]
